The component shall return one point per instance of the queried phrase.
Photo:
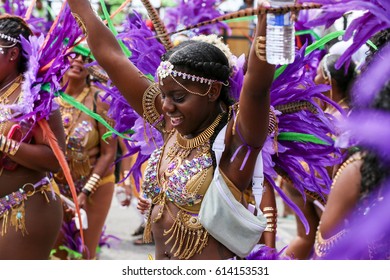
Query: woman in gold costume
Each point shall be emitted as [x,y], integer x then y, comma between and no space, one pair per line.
[90,158]
[30,207]
[190,105]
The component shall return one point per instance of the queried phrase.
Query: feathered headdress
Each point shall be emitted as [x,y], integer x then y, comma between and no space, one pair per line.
[375,18]
[303,128]
[41,82]
[369,225]
[191,12]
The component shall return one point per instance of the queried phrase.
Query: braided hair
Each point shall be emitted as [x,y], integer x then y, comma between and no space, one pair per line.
[202,59]
[15,27]
[208,61]
[374,169]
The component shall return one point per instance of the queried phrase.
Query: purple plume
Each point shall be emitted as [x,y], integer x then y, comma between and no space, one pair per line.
[266,253]
[366,87]
[47,65]
[375,18]
[187,13]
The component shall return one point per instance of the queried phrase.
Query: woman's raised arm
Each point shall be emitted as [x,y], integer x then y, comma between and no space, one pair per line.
[254,99]
[107,51]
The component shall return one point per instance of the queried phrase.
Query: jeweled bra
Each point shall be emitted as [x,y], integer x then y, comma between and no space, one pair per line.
[175,187]
[184,182]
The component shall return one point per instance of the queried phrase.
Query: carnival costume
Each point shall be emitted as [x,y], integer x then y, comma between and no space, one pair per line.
[291,109]
[82,135]
[39,85]
[365,233]
[361,128]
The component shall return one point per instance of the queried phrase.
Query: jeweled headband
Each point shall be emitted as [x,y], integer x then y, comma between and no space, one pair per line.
[9,38]
[166,69]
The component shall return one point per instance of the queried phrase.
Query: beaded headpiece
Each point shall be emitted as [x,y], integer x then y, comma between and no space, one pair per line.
[166,69]
[9,38]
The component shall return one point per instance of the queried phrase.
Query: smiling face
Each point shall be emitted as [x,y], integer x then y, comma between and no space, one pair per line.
[193,80]
[77,70]
[189,113]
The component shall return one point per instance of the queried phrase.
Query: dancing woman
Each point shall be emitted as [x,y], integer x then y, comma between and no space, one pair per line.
[189,105]
[90,158]
[30,207]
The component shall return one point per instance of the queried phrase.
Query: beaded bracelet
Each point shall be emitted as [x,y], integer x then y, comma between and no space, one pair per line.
[92,185]
[8,146]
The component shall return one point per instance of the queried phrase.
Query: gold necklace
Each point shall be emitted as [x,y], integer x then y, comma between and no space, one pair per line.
[183,147]
[79,98]
[197,141]
[7,85]
[15,84]
[67,111]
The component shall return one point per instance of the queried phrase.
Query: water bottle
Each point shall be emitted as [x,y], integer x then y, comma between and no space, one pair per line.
[120,194]
[280,44]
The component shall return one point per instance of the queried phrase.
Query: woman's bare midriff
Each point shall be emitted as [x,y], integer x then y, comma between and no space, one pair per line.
[213,250]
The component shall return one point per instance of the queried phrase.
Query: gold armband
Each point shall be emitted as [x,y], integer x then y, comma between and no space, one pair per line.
[260,48]
[271,214]
[92,185]
[151,115]
[8,146]
[80,23]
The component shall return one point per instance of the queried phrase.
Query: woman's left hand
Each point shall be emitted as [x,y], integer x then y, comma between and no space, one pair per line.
[82,199]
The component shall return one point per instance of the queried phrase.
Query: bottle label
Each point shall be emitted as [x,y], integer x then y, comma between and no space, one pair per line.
[279,20]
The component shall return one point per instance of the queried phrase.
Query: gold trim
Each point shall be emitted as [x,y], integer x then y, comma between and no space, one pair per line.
[190,144]
[151,115]
[350,160]
[322,246]
[260,49]
[80,23]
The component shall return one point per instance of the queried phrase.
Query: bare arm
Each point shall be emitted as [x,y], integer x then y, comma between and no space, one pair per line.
[254,100]
[107,151]
[253,118]
[342,199]
[110,56]
[39,149]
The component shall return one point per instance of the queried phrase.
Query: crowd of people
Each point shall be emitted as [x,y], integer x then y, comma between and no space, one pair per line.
[188,131]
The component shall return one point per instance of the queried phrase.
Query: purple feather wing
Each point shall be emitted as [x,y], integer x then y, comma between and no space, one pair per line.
[296,85]
[187,13]
[375,18]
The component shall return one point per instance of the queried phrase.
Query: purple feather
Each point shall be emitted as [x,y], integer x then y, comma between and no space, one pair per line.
[367,128]
[266,253]
[237,79]
[366,87]
[293,85]
[187,13]
[36,102]
[375,19]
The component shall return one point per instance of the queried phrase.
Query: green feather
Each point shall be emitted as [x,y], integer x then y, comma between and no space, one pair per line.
[112,28]
[316,45]
[301,137]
